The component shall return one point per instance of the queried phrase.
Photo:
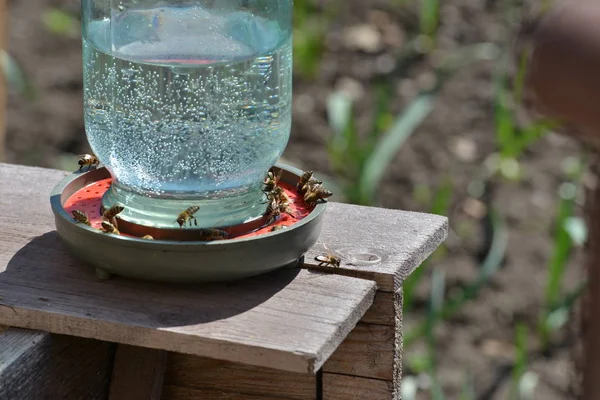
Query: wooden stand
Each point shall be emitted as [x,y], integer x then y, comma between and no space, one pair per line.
[310,333]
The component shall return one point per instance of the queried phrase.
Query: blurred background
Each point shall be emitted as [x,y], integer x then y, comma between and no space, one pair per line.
[407,104]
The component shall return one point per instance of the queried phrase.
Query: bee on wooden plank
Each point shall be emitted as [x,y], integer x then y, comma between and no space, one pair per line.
[88,160]
[107,227]
[81,217]
[187,216]
[316,193]
[271,181]
[147,237]
[111,214]
[328,259]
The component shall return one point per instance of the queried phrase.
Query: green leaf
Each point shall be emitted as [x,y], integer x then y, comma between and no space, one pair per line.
[60,22]
[404,126]
[16,78]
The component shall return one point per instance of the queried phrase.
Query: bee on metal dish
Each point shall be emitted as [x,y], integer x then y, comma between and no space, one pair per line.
[110,214]
[214,234]
[308,186]
[271,181]
[278,228]
[88,160]
[316,193]
[81,217]
[273,210]
[279,194]
[107,227]
[187,216]
[304,178]
[147,237]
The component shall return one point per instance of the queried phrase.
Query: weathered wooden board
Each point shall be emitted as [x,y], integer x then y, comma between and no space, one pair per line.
[183,393]
[187,375]
[344,387]
[36,365]
[368,352]
[138,373]
[382,310]
[376,243]
[291,320]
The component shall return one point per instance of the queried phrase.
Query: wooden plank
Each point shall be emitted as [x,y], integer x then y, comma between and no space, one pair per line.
[138,373]
[184,393]
[221,379]
[367,352]
[344,387]
[398,344]
[381,311]
[291,320]
[376,243]
[33,363]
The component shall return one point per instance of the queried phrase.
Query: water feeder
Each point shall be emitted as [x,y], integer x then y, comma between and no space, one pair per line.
[187,105]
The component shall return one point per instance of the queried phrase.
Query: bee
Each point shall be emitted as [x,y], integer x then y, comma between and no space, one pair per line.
[285,208]
[88,160]
[187,216]
[279,194]
[81,217]
[328,259]
[304,178]
[214,234]
[107,227]
[316,193]
[308,186]
[278,228]
[271,181]
[273,210]
[148,237]
[111,213]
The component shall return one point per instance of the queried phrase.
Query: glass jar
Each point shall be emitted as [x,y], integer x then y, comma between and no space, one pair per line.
[187,103]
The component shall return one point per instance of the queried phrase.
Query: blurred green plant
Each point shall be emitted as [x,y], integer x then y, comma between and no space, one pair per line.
[15,77]
[569,230]
[61,23]
[311,23]
[511,139]
[360,161]
[440,204]
[429,15]
[488,268]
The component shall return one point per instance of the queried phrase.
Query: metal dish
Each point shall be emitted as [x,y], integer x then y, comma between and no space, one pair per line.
[182,261]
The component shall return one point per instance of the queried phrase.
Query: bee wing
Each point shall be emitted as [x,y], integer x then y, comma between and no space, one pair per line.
[278,177]
[322,258]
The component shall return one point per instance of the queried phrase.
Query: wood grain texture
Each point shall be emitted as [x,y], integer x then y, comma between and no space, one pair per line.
[398,345]
[382,310]
[138,373]
[37,365]
[344,387]
[291,320]
[376,243]
[221,379]
[184,393]
[367,352]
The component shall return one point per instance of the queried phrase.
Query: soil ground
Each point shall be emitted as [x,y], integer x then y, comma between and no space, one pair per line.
[453,143]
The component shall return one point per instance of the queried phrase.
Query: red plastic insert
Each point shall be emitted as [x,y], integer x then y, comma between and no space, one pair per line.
[89,200]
